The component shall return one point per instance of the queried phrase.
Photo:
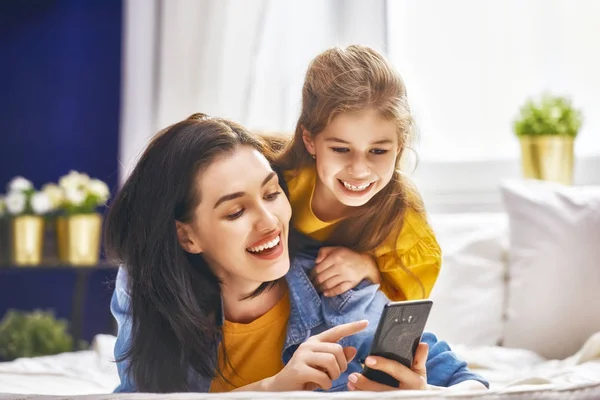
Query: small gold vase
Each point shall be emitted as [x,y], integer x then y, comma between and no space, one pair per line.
[27,240]
[78,239]
[549,158]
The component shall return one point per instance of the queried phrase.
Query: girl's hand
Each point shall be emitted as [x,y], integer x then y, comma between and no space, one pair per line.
[414,378]
[317,362]
[339,269]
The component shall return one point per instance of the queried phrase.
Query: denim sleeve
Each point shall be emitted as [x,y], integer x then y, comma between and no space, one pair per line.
[120,309]
[444,368]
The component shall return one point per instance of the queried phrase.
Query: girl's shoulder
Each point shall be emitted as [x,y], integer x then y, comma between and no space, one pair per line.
[299,180]
[414,232]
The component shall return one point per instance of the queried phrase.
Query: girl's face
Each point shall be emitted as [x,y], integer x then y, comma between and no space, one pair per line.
[241,223]
[355,156]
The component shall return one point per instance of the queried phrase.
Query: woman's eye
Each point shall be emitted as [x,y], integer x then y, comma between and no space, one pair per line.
[379,151]
[235,215]
[340,149]
[272,196]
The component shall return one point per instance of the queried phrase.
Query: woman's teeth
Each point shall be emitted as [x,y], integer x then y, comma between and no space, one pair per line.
[266,246]
[355,188]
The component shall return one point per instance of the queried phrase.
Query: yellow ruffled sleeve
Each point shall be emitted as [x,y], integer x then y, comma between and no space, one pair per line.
[411,259]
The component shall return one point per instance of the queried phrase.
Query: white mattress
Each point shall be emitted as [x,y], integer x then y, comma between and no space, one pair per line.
[513,374]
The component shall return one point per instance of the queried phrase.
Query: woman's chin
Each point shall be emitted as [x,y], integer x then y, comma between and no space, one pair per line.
[275,271]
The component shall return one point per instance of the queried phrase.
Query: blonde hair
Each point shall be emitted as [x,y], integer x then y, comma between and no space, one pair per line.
[353,79]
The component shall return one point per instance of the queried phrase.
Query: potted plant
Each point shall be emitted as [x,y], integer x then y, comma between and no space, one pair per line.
[32,334]
[79,224]
[24,210]
[547,128]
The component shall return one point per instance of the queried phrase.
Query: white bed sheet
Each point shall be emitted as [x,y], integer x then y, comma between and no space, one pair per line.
[513,373]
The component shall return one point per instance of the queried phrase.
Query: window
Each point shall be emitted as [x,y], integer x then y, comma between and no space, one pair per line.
[469,65]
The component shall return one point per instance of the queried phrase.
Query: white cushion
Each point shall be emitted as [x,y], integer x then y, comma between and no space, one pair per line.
[469,295]
[554,269]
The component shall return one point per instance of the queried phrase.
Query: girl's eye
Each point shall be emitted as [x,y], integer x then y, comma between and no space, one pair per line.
[379,151]
[272,196]
[236,215]
[340,149]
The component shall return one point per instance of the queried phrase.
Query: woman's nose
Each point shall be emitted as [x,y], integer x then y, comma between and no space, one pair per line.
[266,220]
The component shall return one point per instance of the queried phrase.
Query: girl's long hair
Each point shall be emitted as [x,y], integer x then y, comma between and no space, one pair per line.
[353,79]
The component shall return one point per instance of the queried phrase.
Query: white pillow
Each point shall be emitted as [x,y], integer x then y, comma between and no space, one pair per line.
[554,269]
[469,296]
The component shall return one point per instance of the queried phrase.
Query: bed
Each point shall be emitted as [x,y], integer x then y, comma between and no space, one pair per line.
[510,300]
[513,374]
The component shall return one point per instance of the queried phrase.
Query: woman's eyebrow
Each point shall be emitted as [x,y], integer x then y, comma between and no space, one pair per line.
[237,195]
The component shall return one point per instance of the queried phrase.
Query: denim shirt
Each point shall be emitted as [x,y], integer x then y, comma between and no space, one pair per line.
[310,314]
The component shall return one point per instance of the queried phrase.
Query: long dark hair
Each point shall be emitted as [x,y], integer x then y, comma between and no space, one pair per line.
[175,297]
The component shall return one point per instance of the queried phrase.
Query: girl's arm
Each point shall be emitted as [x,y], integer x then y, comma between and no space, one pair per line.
[409,260]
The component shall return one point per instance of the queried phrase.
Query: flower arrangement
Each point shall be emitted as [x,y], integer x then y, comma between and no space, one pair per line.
[23,199]
[77,193]
[69,208]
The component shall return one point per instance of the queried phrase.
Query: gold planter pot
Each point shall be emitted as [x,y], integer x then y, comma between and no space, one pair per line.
[27,237]
[78,239]
[548,158]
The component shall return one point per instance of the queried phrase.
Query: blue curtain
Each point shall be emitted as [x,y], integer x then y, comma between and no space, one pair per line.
[60,80]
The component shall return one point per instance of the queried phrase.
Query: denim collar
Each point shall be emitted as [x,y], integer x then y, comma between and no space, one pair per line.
[305,302]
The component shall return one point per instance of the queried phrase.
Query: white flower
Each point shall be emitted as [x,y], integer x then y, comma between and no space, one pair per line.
[99,189]
[15,202]
[75,196]
[2,207]
[55,193]
[74,180]
[19,184]
[41,203]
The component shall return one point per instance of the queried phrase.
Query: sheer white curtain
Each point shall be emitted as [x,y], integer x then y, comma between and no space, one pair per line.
[239,59]
[470,64]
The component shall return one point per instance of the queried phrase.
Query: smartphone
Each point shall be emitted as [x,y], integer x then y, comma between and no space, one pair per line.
[398,334]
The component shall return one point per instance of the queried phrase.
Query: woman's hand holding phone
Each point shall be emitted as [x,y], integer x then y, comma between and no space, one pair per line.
[414,378]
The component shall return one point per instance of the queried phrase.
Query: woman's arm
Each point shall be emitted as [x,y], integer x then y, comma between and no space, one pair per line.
[120,309]
[263,385]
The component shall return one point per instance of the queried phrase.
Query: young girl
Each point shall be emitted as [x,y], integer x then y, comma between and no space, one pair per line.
[345,186]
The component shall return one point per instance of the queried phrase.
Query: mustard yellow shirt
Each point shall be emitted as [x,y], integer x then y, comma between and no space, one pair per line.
[416,245]
[253,350]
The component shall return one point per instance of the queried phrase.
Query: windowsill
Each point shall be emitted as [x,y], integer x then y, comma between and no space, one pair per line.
[474,186]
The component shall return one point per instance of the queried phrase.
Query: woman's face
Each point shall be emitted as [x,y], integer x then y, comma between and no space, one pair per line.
[241,224]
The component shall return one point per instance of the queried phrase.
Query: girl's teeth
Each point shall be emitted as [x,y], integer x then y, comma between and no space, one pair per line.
[355,188]
[268,245]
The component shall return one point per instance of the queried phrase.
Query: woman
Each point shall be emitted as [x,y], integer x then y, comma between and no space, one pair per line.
[209,300]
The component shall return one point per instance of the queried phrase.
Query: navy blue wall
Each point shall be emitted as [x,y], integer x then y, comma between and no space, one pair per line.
[60,79]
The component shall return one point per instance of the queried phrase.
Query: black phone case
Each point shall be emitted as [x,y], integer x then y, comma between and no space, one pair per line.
[398,334]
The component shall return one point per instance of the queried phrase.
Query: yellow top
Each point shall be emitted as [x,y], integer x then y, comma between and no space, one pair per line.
[416,245]
[253,350]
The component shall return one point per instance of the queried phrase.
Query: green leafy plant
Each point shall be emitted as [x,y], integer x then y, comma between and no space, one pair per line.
[548,115]
[31,334]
